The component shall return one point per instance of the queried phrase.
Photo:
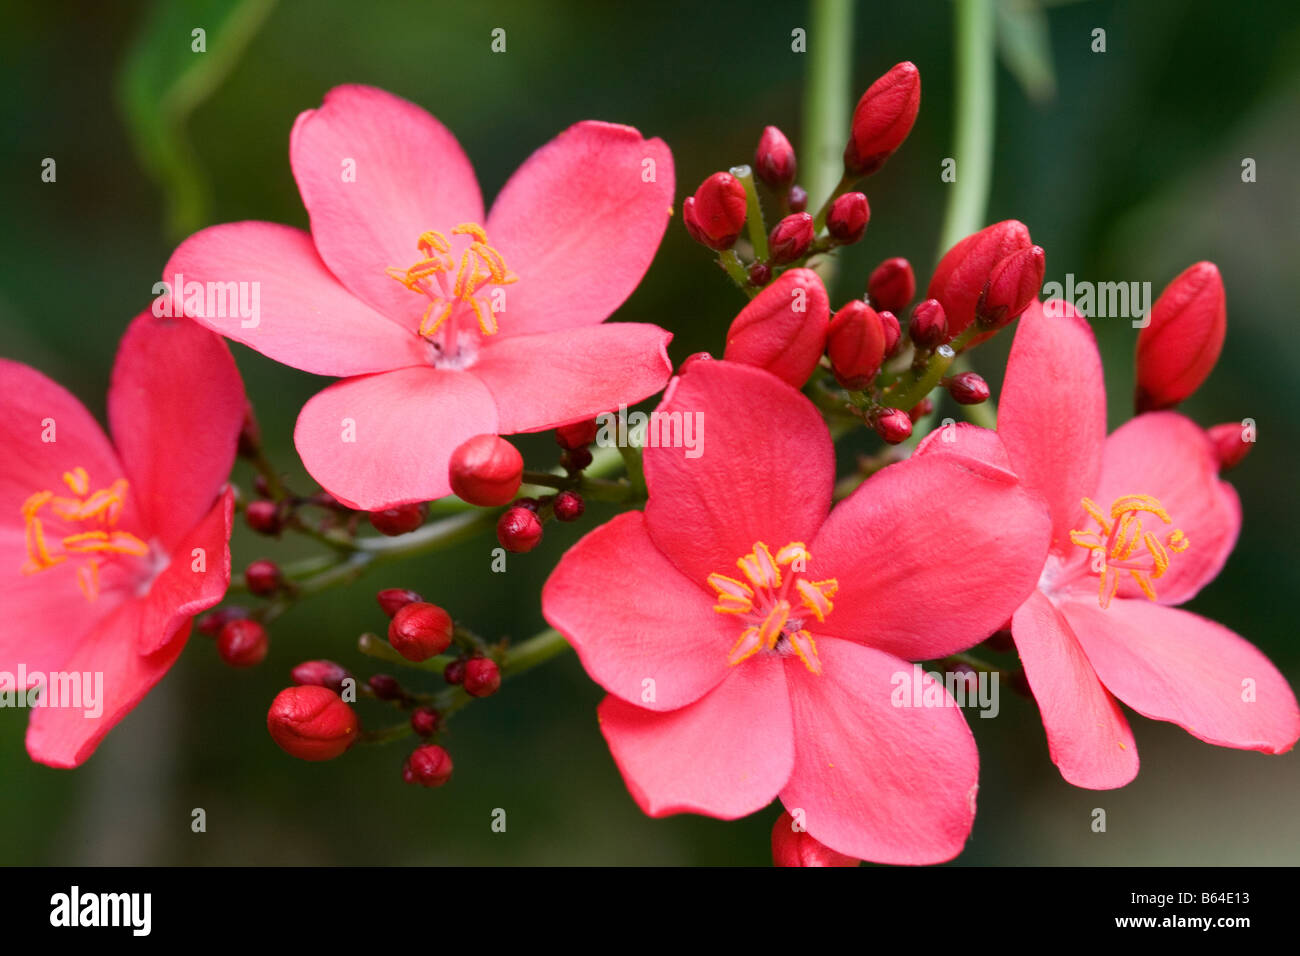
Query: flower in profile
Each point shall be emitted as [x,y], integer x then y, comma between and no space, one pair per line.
[109,548]
[443,324]
[1141,522]
[750,637]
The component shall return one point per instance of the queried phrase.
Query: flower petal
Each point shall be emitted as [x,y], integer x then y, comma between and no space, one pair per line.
[632,617]
[1087,734]
[409,176]
[1167,456]
[579,222]
[726,755]
[932,555]
[1169,664]
[175,405]
[66,736]
[186,587]
[880,782]
[553,378]
[381,440]
[304,317]
[763,469]
[1052,414]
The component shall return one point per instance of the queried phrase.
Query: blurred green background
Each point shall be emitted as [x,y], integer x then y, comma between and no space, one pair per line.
[1131,171]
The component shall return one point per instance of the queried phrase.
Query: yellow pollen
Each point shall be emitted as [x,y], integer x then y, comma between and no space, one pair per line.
[1124,546]
[480,265]
[100,509]
[773,600]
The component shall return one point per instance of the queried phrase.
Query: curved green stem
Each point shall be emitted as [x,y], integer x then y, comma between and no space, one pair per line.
[826,106]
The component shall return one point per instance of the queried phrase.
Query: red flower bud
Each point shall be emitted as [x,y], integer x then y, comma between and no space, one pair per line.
[578,435]
[719,211]
[263,577]
[1181,343]
[311,723]
[968,388]
[454,673]
[568,506]
[424,721]
[519,530]
[691,220]
[964,270]
[250,433]
[855,345]
[848,217]
[399,520]
[774,161]
[892,285]
[243,643]
[797,199]
[920,410]
[791,238]
[893,332]
[263,517]
[429,766]
[760,274]
[386,687]
[791,847]
[783,329]
[1231,443]
[486,470]
[212,622]
[482,677]
[882,119]
[393,600]
[929,326]
[420,630]
[1013,284]
[893,425]
[325,674]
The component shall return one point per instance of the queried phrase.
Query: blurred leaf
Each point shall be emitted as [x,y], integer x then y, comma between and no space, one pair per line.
[163,80]
[1026,47]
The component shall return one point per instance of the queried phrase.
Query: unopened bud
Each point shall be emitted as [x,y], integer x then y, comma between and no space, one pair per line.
[965,269]
[893,425]
[882,119]
[783,329]
[420,630]
[719,210]
[968,388]
[482,677]
[262,577]
[855,345]
[243,643]
[791,238]
[398,520]
[393,600]
[263,517]
[311,723]
[893,332]
[848,217]
[774,160]
[1014,283]
[892,285]
[325,674]
[486,470]
[928,328]
[578,435]
[425,721]
[428,766]
[519,530]
[568,506]
[1182,340]
[797,199]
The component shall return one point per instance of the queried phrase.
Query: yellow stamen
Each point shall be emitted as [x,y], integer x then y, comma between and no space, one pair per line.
[479,265]
[1124,545]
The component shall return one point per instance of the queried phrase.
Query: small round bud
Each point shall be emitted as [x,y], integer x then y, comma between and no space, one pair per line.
[794,847]
[855,345]
[719,210]
[920,410]
[263,517]
[568,506]
[893,425]
[486,470]
[576,459]
[797,199]
[393,600]
[325,674]
[774,159]
[420,630]
[578,435]
[532,504]
[311,723]
[428,766]
[212,622]
[892,285]
[1230,443]
[425,721]
[385,687]
[882,119]
[482,677]
[243,643]
[760,274]
[929,326]
[968,388]
[893,333]
[791,238]
[399,520]
[519,530]
[250,433]
[454,673]
[263,577]
[848,217]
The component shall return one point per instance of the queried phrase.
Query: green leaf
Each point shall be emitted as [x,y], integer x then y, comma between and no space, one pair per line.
[1026,47]
[163,80]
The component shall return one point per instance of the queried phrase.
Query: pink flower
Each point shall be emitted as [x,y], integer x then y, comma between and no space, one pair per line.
[1141,522]
[107,550]
[444,324]
[751,639]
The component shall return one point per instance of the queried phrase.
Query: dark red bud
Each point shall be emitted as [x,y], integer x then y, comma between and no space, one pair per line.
[212,622]
[424,721]
[393,600]
[848,217]
[482,677]
[719,211]
[386,687]
[429,766]
[263,577]
[576,459]
[578,435]
[263,517]
[968,388]
[965,269]
[892,285]
[893,425]
[1013,284]
[243,643]
[311,723]
[321,674]
[250,433]
[893,332]
[568,506]
[928,328]
[760,274]
[399,520]
[420,630]
[882,119]
[454,673]
[791,238]
[774,160]
[855,345]
[519,530]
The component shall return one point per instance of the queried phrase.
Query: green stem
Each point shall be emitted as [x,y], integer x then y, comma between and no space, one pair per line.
[753,212]
[536,650]
[736,269]
[973,122]
[910,392]
[826,104]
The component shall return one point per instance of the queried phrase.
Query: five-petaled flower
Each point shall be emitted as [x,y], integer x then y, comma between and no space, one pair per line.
[108,549]
[750,637]
[444,324]
[1140,522]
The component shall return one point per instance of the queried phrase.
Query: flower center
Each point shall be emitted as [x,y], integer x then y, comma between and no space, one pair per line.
[459,280]
[1120,544]
[773,605]
[77,528]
